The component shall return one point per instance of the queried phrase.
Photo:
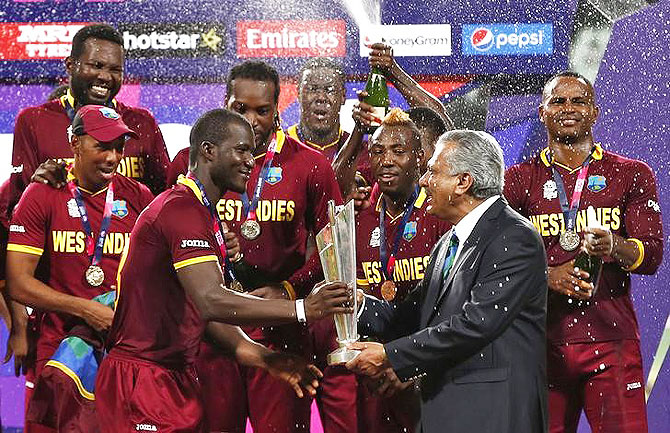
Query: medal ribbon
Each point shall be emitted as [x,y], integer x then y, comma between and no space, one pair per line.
[388,262]
[93,248]
[216,228]
[250,208]
[570,209]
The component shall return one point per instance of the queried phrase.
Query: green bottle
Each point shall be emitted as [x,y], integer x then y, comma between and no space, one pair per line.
[584,261]
[590,264]
[378,95]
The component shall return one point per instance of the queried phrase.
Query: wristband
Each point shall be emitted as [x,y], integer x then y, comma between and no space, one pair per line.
[300,311]
[640,257]
[290,291]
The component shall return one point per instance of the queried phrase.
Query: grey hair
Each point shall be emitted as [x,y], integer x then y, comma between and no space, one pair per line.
[479,154]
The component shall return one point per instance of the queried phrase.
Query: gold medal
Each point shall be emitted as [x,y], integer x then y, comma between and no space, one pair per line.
[250,229]
[389,290]
[236,286]
[569,240]
[95,275]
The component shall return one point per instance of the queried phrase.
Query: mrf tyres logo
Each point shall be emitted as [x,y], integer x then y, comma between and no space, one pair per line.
[291,38]
[144,40]
[507,39]
[37,41]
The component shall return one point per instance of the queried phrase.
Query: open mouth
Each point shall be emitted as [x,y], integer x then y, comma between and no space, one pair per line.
[107,172]
[320,113]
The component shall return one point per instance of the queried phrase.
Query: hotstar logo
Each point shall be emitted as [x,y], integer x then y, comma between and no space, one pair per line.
[210,40]
[172,40]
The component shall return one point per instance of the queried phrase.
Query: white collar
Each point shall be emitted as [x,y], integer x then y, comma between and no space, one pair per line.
[465,226]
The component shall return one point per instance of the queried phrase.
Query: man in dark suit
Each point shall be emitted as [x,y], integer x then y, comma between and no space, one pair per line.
[473,330]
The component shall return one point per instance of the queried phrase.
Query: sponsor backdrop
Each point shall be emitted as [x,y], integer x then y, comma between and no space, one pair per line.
[167,44]
[166,40]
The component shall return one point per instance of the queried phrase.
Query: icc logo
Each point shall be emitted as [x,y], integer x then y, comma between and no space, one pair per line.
[482,39]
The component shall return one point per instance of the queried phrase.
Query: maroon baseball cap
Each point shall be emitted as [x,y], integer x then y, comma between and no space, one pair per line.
[100,122]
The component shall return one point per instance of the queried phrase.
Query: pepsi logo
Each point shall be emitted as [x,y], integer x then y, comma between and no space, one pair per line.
[482,39]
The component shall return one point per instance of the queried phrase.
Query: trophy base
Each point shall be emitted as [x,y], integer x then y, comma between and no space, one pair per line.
[342,355]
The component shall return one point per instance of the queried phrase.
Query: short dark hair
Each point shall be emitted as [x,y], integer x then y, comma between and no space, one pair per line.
[570,74]
[428,119]
[98,31]
[213,126]
[321,62]
[253,70]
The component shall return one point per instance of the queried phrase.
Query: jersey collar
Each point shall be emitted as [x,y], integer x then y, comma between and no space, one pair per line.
[68,99]
[72,177]
[548,159]
[418,203]
[281,138]
[293,133]
[192,185]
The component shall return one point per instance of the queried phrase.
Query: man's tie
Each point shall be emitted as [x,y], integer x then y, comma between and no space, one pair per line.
[451,255]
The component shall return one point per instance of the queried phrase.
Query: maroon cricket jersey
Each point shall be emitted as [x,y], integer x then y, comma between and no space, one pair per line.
[40,133]
[294,201]
[178,166]
[623,193]
[330,150]
[46,223]
[155,319]
[420,234]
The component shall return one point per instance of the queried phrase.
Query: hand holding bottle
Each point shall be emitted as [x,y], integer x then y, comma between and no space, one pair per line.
[598,242]
[363,113]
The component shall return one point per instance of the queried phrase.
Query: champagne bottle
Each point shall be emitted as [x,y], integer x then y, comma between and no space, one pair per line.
[586,262]
[378,95]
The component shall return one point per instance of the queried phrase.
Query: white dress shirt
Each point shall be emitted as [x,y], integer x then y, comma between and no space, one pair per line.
[465,226]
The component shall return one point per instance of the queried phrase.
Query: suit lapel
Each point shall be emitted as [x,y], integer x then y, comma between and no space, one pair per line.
[434,284]
[481,231]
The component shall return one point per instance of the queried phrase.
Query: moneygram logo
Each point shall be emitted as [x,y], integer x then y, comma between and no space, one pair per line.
[145,40]
[37,41]
[409,39]
[507,39]
[325,38]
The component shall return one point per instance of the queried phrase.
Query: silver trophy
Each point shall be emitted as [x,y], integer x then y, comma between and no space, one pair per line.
[337,249]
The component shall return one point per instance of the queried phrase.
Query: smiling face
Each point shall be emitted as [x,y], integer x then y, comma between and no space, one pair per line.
[321,95]
[234,160]
[255,100]
[96,76]
[95,162]
[444,191]
[394,159]
[568,109]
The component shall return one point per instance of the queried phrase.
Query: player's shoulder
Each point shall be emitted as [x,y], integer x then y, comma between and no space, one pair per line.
[53,107]
[529,164]
[39,195]
[367,215]
[182,154]
[39,190]
[131,187]
[625,163]
[137,114]
[291,145]
[178,203]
